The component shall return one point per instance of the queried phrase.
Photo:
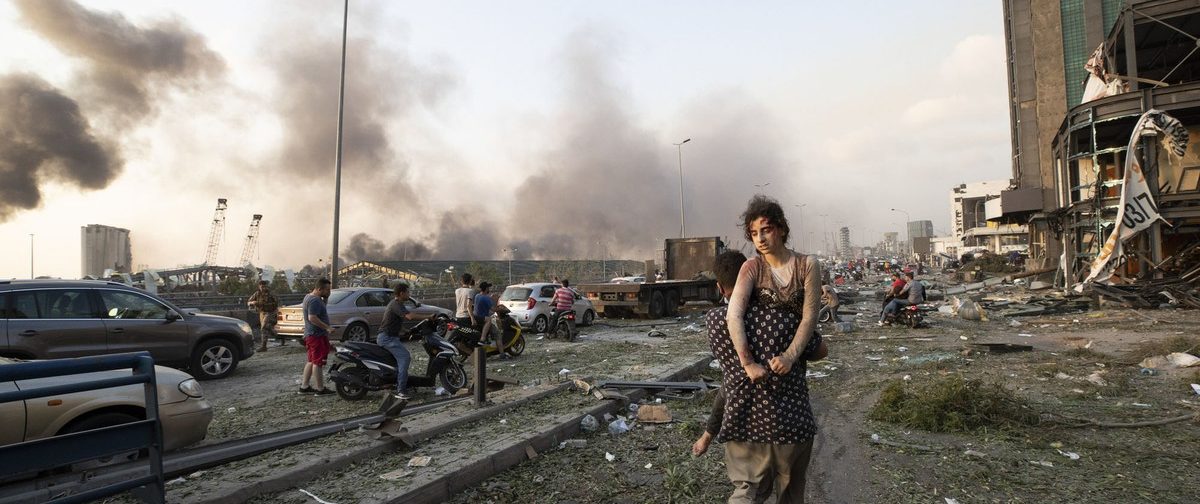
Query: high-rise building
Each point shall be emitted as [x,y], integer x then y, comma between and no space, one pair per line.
[920,229]
[103,248]
[844,242]
[1048,43]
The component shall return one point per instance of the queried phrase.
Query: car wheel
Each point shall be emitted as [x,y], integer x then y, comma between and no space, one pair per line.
[357,331]
[100,421]
[215,358]
[540,324]
[589,317]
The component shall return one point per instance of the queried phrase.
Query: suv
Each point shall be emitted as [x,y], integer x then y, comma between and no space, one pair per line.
[54,319]
[529,304]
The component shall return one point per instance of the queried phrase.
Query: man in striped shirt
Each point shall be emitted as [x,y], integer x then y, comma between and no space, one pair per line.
[564,300]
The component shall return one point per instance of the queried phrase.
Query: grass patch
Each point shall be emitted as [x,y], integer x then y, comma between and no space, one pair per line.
[1164,347]
[951,404]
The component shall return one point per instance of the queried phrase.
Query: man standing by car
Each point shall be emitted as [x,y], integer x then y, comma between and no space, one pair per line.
[564,300]
[316,338]
[483,305]
[464,301]
[268,313]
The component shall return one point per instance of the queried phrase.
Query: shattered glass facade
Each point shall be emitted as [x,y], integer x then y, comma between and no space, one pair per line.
[1075,51]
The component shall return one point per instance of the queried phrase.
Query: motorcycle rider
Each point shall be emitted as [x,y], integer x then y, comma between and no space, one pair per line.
[916,295]
[564,299]
[389,336]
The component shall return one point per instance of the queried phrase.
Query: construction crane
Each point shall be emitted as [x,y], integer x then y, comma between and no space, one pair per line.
[251,241]
[217,232]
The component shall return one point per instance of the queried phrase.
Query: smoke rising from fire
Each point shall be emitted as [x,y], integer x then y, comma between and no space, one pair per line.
[45,138]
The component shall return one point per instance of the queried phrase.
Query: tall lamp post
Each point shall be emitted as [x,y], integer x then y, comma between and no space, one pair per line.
[31,256]
[824,232]
[682,220]
[337,178]
[907,234]
[510,251]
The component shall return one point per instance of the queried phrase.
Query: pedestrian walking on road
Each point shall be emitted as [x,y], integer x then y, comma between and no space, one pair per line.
[316,338]
[267,306]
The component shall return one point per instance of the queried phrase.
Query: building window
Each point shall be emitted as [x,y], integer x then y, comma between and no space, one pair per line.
[1075,54]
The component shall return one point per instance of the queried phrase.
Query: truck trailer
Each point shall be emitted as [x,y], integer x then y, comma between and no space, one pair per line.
[688,270]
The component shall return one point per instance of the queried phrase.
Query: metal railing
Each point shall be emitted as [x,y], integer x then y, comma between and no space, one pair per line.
[38,456]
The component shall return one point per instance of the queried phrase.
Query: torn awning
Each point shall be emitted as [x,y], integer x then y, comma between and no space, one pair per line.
[1137,210]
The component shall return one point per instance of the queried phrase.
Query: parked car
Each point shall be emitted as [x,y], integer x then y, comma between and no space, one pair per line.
[182,408]
[629,279]
[354,313]
[529,304]
[54,319]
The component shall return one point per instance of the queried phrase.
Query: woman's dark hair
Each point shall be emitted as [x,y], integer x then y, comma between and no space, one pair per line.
[763,206]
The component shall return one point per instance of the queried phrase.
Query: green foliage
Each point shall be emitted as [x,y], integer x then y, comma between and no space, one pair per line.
[485,272]
[951,404]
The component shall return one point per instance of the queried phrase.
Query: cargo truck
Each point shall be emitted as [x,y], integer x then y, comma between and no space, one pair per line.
[688,272]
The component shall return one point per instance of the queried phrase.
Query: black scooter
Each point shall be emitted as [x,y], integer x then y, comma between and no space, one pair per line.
[368,367]
[562,326]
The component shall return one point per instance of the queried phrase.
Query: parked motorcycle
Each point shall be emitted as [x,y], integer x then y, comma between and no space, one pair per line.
[368,367]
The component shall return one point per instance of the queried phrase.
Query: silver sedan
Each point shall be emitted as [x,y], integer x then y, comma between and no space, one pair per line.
[355,314]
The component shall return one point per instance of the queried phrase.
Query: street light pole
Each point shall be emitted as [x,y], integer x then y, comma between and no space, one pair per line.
[337,179]
[682,220]
[31,256]
[824,232]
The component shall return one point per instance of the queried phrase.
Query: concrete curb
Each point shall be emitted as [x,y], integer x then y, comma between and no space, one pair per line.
[307,471]
[445,487]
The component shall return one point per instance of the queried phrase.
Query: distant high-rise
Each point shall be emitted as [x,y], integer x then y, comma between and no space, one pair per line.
[920,229]
[104,247]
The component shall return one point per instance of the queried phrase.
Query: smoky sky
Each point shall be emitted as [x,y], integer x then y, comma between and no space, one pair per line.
[607,184]
[52,135]
[126,66]
[384,89]
[44,137]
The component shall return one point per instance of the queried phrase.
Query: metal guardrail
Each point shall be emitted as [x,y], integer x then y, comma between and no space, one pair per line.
[43,455]
[228,302]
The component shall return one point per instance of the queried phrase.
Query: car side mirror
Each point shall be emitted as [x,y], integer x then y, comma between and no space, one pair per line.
[173,316]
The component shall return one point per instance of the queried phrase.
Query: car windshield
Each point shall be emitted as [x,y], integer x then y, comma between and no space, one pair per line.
[516,294]
[337,296]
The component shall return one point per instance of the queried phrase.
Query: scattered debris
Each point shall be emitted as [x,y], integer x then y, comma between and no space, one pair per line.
[1196,388]
[618,426]
[1070,455]
[318,499]
[655,333]
[603,394]
[648,466]
[1096,379]
[609,457]
[976,454]
[573,443]
[1042,463]
[582,385]
[420,461]
[714,364]
[588,423]
[843,327]
[693,327]
[530,452]
[564,372]
[815,374]
[654,413]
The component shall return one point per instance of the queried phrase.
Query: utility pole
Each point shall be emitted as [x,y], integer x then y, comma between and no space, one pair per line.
[682,220]
[31,256]
[337,178]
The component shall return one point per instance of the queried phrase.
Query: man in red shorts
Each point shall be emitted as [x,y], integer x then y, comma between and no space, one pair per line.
[316,338]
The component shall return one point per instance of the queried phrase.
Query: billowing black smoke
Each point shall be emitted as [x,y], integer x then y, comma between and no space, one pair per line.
[611,184]
[126,66]
[45,138]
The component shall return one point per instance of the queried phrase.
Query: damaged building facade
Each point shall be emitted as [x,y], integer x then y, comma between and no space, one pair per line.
[1146,58]
[977,223]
